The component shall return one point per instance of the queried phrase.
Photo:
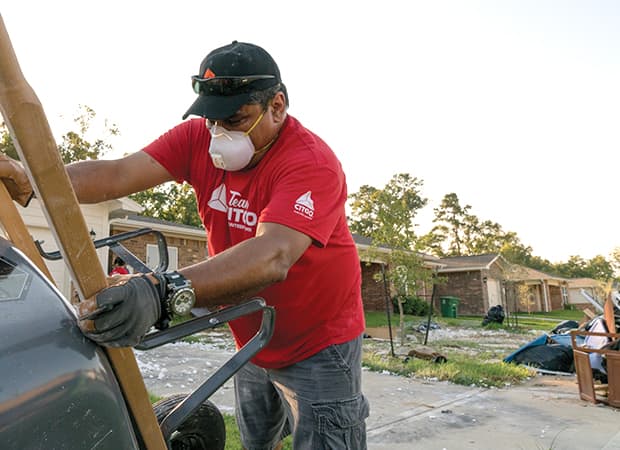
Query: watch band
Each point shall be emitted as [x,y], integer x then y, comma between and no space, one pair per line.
[174,278]
[160,283]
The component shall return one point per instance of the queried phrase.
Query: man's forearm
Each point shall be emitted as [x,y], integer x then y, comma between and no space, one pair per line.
[237,274]
[92,181]
[101,180]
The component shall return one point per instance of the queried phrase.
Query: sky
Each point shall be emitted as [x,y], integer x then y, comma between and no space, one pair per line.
[512,105]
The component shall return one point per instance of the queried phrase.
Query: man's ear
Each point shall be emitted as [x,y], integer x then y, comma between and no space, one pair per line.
[278,107]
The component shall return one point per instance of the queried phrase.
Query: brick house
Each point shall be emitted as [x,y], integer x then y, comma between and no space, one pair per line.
[530,290]
[475,280]
[483,281]
[594,288]
[186,244]
[373,291]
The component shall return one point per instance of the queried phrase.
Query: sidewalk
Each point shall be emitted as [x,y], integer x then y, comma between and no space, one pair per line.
[545,413]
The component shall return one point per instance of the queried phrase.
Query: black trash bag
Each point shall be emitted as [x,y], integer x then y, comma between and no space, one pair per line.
[494,314]
[600,376]
[555,357]
[565,327]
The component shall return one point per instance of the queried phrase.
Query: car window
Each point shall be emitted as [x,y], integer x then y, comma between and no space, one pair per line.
[13,281]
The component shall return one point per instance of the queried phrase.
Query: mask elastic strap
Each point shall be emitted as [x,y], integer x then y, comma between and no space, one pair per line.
[267,146]
[247,133]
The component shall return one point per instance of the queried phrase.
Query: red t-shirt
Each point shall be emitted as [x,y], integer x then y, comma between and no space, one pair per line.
[119,271]
[299,183]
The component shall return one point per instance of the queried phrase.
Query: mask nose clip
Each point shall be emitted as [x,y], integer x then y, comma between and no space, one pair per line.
[215,134]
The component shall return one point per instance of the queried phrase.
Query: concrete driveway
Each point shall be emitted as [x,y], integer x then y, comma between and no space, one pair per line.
[544,413]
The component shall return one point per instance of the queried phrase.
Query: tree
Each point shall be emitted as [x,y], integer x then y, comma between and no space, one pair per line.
[599,268]
[6,142]
[517,253]
[488,237]
[387,216]
[615,261]
[75,145]
[576,267]
[170,201]
[459,233]
[448,235]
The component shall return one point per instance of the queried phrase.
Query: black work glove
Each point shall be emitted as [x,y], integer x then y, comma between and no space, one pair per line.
[124,313]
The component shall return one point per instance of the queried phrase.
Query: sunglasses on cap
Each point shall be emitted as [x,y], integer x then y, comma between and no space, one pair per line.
[226,85]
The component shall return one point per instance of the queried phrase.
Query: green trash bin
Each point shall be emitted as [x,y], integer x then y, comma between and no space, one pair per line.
[449,306]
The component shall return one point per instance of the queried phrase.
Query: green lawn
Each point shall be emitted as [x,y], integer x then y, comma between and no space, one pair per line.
[481,366]
[458,369]
[562,314]
[232,435]
[535,321]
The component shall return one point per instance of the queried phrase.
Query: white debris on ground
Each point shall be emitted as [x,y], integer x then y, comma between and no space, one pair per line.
[181,367]
[465,333]
[473,341]
[470,341]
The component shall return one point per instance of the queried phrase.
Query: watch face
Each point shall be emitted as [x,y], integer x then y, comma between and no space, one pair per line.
[182,301]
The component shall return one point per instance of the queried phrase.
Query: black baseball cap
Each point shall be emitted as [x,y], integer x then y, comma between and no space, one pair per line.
[228,76]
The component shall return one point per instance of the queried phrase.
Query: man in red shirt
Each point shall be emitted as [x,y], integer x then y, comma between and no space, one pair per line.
[271,195]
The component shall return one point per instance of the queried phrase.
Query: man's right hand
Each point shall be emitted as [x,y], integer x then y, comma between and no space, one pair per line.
[121,314]
[15,179]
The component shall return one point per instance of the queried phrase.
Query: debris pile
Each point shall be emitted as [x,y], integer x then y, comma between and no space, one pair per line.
[423,352]
[553,351]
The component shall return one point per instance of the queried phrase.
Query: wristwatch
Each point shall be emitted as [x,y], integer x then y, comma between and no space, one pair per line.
[176,295]
[180,297]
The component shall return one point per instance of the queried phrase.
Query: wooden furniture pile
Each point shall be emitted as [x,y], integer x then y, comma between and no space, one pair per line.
[591,389]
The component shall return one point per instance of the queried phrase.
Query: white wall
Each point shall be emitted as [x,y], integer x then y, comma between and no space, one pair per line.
[96,217]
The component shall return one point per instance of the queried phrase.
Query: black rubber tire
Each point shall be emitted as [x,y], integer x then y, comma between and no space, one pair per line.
[203,430]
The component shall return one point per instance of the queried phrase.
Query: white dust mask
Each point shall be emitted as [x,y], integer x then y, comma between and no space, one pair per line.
[231,150]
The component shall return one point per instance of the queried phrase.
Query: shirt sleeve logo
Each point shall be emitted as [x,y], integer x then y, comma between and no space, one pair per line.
[304,205]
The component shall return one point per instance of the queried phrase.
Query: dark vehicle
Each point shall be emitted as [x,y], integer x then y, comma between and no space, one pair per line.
[58,389]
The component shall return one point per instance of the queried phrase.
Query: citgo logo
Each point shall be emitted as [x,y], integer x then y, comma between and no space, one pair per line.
[236,208]
[304,205]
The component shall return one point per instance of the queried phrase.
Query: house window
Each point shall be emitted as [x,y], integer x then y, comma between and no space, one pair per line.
[152,257]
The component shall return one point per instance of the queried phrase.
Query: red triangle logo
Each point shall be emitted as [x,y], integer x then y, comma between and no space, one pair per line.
[208,74]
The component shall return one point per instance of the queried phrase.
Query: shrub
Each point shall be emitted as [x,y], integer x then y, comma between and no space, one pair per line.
[412,305]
